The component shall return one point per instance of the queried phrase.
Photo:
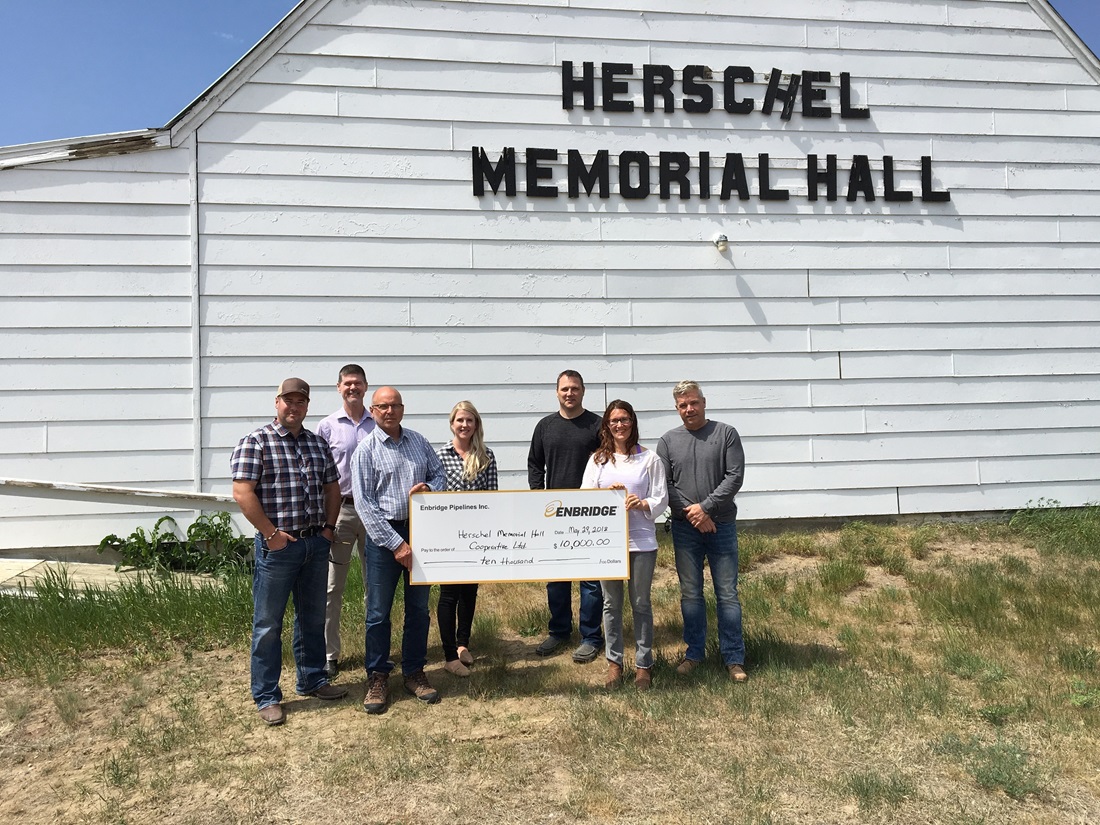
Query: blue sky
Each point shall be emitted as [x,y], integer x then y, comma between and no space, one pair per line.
[73,68]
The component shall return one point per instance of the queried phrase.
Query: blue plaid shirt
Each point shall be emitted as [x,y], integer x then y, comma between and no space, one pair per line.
[383,470]
[290,474]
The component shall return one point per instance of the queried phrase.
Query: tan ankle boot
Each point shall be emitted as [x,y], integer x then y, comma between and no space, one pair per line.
[642,678]
[614,675]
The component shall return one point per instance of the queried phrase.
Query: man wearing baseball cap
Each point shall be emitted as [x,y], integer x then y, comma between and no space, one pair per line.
[285,481]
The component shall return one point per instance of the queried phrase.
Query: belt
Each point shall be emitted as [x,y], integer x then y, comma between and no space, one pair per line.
[398,523]
[305,532]
[348,500]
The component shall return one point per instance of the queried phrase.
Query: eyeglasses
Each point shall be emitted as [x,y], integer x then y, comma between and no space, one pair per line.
[619,422]
[387,407]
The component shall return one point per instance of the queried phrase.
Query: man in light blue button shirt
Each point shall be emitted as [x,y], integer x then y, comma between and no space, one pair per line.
[390,464]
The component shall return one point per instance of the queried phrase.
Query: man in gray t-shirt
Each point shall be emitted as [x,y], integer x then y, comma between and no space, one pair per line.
[705,465]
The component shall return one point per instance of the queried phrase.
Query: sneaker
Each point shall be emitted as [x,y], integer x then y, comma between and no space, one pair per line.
[737,673]
[417,684]
[550,645]
[273,715]
[586,652]
[643,680]
[329,692]
[456,667]
[686,666]
[378,693]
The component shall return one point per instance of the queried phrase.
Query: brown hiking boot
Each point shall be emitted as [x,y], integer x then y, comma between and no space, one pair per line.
[686,666]
[643,680]
[614,676]
[417,684]
[378,693]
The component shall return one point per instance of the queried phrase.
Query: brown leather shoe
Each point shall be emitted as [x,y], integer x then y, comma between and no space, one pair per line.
[456,667]
[737,673]
[272,715]
[329,692]
[418,685]
[614,676]
[378,693]
[643,680]
[686,666]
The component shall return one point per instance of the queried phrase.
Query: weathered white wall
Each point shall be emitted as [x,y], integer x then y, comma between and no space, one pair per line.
[877,357]
[95,338]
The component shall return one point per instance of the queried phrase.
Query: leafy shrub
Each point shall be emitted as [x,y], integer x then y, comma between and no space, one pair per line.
[211,545]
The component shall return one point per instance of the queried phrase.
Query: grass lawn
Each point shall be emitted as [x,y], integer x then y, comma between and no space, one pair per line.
[940,674]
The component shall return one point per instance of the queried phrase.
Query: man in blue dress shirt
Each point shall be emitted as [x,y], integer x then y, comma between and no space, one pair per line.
[390,464]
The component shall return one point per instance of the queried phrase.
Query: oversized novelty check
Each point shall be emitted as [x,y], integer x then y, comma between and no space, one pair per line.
[518,535]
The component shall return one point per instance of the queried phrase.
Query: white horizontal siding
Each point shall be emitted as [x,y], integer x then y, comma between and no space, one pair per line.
[95,266]
[972,418]
[967,390]
[878,358]
[82,373]
[1032,282]
[995,496]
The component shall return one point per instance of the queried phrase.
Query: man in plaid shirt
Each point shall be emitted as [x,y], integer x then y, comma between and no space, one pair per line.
[285,481]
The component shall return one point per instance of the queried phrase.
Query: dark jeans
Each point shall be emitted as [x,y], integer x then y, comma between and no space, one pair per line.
[559,597]
[455,600]
[384,574]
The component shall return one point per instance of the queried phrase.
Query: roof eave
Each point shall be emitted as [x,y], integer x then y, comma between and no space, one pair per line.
[1064,32]
[81,148]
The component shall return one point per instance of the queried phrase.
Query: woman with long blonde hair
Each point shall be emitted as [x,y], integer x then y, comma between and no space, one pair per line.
[469,465]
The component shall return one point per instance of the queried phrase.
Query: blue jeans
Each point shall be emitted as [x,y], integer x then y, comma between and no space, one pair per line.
[300,570]
[559,598]
[384,573]
[720,550]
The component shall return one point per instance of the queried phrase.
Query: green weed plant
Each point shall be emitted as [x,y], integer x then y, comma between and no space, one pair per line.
[211,544]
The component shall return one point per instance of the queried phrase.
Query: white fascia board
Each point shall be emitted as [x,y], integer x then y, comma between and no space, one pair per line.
[103,494]
[92,146]
[1064,32]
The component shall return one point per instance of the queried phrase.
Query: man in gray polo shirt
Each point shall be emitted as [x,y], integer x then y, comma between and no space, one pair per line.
[705,465]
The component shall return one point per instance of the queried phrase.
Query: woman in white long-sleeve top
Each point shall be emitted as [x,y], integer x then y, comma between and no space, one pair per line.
[621,463]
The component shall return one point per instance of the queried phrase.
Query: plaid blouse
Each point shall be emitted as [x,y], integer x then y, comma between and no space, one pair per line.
[453,466]
[289,472]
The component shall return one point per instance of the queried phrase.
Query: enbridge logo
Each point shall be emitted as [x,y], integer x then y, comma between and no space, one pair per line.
[555,509]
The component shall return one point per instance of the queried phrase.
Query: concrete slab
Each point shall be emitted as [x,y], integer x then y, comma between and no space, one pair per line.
[12,569]
[25,572]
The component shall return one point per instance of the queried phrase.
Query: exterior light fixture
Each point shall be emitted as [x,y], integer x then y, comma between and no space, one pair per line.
[722,243]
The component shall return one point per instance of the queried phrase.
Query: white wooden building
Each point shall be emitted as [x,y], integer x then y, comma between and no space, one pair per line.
[318,205]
